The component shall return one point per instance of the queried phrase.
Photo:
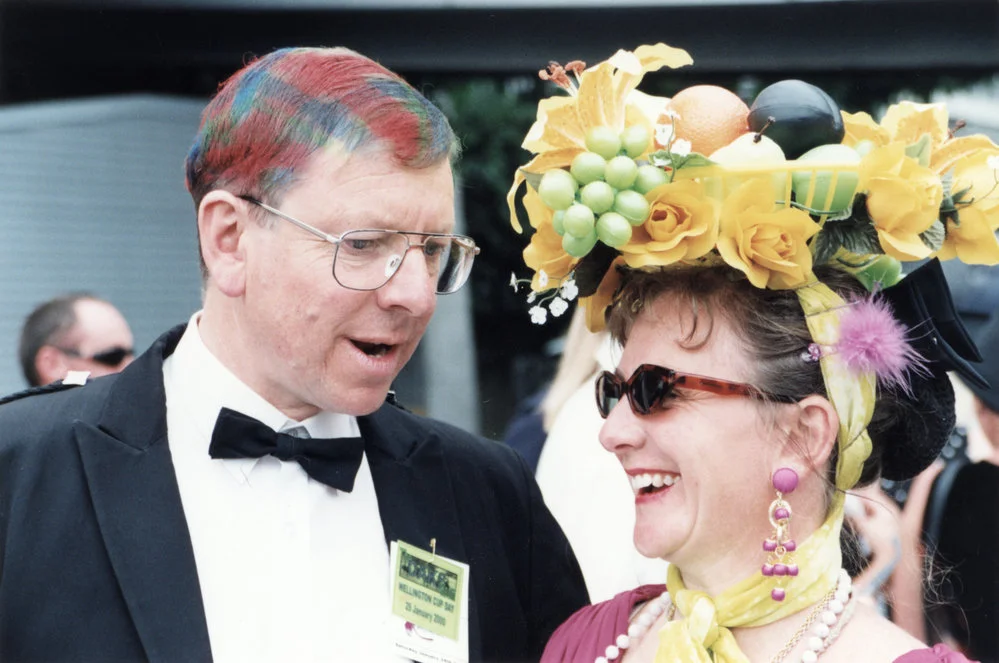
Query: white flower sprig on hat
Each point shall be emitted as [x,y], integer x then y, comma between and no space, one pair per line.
[556,298]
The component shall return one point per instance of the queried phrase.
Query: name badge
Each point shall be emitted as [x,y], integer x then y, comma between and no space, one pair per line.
[429,598]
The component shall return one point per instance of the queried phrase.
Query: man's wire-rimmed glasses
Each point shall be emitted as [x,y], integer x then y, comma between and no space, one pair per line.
[367,259]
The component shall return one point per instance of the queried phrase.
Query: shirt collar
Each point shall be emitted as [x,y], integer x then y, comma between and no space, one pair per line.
[208,386]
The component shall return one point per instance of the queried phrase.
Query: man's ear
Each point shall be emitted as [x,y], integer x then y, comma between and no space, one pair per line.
[222,220]
[50,364]
[813,430]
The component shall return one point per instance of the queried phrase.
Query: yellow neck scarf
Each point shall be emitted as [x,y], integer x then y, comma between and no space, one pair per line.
[703,633]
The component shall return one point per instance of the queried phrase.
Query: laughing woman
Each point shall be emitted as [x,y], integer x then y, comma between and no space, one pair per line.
[721,421]
[772,358]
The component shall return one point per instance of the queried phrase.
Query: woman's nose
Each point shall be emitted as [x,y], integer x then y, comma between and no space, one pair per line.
[621,431]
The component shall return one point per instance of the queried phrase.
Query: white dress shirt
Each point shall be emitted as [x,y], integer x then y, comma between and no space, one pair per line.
[290,569]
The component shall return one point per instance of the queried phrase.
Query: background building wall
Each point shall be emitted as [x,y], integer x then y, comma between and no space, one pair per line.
[92,198]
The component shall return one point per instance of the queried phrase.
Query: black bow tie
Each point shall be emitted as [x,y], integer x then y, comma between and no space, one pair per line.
[333,462]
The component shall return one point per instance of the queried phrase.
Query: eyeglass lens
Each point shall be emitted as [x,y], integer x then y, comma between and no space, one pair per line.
[367,259]
[646,389]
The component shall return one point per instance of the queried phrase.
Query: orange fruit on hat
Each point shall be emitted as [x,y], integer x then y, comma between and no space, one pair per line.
[709,117]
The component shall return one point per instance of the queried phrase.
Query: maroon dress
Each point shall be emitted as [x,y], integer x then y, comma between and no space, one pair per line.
[587,633]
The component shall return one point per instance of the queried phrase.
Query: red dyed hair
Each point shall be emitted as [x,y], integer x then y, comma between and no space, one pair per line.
[272,115]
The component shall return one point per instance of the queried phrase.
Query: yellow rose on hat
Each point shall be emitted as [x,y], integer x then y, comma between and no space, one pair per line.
[955,149]
[682,225]
[769,245]
[907,122]
[861,126]
[903,200]
[971,227]
[973,240]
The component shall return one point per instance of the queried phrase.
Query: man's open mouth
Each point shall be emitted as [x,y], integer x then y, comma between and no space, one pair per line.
[372,349]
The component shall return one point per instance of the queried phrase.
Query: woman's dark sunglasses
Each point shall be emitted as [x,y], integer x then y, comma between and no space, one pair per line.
[650,387]
[111,358]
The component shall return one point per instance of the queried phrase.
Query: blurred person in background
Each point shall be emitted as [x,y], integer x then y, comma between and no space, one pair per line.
[74,332]
[958,534]
[919,603]
[872,535]
[582,482]
[575,353]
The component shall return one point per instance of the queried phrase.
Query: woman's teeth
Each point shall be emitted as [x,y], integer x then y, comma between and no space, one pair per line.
[651,482]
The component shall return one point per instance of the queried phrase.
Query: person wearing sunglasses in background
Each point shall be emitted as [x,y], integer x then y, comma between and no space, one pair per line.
[74,332]
[240,491]
[772,358]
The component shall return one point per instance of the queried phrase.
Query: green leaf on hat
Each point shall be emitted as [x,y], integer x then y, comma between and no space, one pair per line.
[825,246]
[933,237]
[590,270]
[533,179]
[667,159]
[920,150]
[862,239]
[694,160]
[858,236]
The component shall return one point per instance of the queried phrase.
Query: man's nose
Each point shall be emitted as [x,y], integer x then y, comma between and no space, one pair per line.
[413,286]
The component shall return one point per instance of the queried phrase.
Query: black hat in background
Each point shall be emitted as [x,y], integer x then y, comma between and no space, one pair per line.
[922,302]
[988,344]
[975,290]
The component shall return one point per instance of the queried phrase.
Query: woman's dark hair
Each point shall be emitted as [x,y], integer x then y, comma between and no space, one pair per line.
[906,432]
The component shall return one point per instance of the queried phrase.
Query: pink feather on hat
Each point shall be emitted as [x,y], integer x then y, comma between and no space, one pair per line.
[871,340]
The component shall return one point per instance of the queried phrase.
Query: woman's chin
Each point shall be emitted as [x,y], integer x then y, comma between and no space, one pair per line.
[652,541]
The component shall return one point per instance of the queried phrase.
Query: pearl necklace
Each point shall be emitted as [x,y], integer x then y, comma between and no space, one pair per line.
[643,621]
[824,624]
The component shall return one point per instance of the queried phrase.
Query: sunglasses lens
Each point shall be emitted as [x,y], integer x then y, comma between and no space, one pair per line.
[608,393]
[112,357]
[649,388]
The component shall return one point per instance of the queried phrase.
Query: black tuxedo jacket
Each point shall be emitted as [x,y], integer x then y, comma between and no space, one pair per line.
[96,562]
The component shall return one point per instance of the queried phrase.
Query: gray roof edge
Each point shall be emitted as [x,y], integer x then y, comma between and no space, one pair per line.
[429,5]
[90,110]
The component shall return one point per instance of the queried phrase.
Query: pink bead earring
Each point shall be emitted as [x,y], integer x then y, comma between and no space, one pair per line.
[780,545]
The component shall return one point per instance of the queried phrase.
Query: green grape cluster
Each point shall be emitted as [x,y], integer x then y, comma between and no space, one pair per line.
[602,195]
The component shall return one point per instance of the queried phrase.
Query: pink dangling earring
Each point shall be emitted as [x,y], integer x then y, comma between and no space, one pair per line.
[780,545]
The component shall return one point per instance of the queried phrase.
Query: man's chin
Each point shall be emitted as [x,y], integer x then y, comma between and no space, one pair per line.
[360,402]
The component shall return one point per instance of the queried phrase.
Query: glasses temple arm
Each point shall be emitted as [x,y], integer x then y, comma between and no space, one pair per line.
[301,224]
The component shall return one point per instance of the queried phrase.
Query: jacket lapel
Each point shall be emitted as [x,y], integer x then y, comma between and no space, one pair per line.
[130,475]
[416,499]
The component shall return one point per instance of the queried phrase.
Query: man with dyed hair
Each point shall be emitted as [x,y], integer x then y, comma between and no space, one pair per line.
[238,493]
